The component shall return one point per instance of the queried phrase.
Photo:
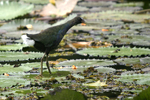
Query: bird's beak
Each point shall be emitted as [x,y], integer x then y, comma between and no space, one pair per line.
[83,23]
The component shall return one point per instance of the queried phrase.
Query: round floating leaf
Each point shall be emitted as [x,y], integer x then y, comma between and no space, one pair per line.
[67,94]
[140,78]
[105,69]
[37,1]
[17,34]
[117,15]
[96,4]
[114,51]
[82,65]
[130,61]
[12,47]
[10,10]
[130,4]
[87,63]
[36,25]
[10,69]
[21,56]
[11,80]
[127,39]
[103,22]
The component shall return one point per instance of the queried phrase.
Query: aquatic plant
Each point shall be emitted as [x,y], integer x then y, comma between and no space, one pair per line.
[10,10]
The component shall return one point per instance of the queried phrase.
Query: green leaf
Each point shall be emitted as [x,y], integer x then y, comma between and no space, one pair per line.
[21,56]
[65,94]
[13,25]
[12,47]
[114,51]
[10,10]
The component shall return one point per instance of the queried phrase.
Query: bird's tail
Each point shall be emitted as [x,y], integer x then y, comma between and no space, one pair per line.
[27,41]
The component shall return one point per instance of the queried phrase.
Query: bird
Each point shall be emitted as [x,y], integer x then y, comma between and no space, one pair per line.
[48,39]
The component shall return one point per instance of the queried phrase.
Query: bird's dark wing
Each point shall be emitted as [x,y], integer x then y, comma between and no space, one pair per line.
[47,37]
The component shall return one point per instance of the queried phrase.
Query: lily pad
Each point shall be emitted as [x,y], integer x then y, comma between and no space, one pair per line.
[11,80]
[13,70]
[131,61]
[86,63]
[11,47]
[96,84]
[15,24]
[130,4]
[65,94]
[127,39]
[138,78]
[19,56]
[114,51]
[96,4]
[117,15]
[10,10]
[37,1]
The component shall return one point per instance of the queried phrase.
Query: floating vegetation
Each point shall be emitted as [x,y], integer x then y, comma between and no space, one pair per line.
[13,69]
[96,4]
[132,61]
[87,63]
[65,93]
[130,4]
[114,51]
[137,78]
[37,1]
[127,39]
[27,25]
[11,47]
[19,56]
[144,95]
[97,84]
[10,10]
[117,15]
[11,80]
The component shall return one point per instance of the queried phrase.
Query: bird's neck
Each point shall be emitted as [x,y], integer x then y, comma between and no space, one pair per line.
[68,25]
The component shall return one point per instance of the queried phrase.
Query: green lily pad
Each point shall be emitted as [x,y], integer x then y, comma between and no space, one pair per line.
[117,15]
[82,65]
[13,70]
[36,25]
[10,10]
[114,51]
[86,63]
[138,78]
[12,47]
[65,94]
[130,4]
[131,61]
[96,4]
[127,39]
[18,56]
[37,1]
[11,80]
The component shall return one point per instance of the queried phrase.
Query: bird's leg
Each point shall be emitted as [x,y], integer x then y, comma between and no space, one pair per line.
[47,64]
[42,65]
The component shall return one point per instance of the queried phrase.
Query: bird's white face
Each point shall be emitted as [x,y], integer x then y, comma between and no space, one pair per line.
[27,40]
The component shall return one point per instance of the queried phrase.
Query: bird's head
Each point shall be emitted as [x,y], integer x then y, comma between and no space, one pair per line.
[81,20]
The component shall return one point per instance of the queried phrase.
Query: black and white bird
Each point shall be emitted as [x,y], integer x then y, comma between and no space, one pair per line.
[48,39]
